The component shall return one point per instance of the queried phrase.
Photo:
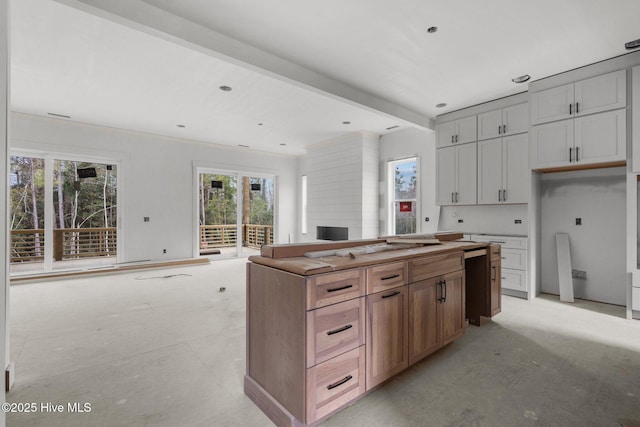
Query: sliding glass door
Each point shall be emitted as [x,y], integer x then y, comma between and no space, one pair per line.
[235,213]
[63,214]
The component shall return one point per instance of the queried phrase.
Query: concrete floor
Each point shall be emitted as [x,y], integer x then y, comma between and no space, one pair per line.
[167,348]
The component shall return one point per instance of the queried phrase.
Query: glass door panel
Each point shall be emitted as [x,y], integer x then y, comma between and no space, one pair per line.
[257,216]
[84,214]
[218,215]
[26,181]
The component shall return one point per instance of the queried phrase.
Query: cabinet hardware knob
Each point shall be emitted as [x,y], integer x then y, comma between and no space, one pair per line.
[570,154]
[577,154]
[340,288]
[336,331]
[494,275]
[452,139]
[444,286]
[504,129]
[391,295]
[577,107]
[393,276]
[339,383]
[440,299]
[570,109]
[499,130]
[499,195]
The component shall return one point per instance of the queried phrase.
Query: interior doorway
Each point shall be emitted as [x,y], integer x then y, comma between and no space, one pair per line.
[235,213]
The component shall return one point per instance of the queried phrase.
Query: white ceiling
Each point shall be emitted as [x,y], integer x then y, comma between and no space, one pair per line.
[300,68]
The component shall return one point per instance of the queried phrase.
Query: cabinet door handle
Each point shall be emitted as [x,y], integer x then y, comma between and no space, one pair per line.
[393,276]
[456,138]
[577,107]
[457,198]
[340,288]
[452,139]
[577,154]
[499,195]
[504,129]
[570,154]
[339,383]
[504,195]
[391,295]
[452,197]
[444,286]
[493,276]
[439,284]
[570,109]
[336,331]
[499,129]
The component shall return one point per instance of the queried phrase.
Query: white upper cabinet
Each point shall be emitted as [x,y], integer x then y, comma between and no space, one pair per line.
[459,131]
[503,170]
[506,121]
[456,175]
[593,139]
[589,96]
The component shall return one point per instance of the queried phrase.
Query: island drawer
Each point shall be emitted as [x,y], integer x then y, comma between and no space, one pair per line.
[386,276]
[332,288]
[435,265]
[495,251]
[334,383]
[334,329]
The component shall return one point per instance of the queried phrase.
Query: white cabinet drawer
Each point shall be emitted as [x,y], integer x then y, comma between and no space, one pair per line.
[514,258]
[514,279]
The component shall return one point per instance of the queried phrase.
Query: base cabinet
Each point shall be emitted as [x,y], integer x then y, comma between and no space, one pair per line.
[387,348]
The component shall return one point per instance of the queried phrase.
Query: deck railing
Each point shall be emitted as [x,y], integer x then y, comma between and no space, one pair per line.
[68,243]
[220,236]
[76,243]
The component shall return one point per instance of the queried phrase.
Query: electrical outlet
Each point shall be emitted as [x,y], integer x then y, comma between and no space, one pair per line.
[164,251]
[146,219]
[460,221]
[579,274]
[578,221]
[426,219]
[518,221]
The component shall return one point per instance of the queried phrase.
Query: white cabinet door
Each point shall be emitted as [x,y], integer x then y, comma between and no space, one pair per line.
[515,119]
[446,175]
[489,171]
[601,93]
[467,130]
[515,170]
[489,124]
[552,104]
[600,138]
[466,170]
[551,144]
[446,134]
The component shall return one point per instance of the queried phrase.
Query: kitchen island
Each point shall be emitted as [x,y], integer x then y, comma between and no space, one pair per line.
[326,328]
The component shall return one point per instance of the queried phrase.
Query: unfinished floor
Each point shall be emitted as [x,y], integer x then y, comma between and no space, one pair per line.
[167,348]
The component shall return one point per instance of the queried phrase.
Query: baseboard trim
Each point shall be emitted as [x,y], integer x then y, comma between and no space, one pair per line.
[112,269]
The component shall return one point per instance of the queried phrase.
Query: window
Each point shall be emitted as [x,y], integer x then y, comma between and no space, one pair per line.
[403,192]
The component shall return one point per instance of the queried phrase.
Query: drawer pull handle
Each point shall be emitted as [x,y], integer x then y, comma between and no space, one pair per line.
[340,288]
[339,383]
[493,279]
[393,276]
[391,295]
[344,328]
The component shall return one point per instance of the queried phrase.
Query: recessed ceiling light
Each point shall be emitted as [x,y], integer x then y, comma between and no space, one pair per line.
[442,104]
[225,88]
[346,123]
[283,144]
[181,126]
[521,79]
[259,124]
[393,127]
[432,30]
[243,146]
[59,115]
[634,44]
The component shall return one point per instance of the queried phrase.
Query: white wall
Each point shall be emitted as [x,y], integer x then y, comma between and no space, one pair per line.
[411,143]
[158,179]
[342,183]
[4,199]
[598,246]
[489,219]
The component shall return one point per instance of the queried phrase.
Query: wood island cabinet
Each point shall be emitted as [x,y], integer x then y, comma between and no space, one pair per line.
[322,333]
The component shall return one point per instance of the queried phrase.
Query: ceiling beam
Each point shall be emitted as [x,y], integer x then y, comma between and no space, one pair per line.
[144,17]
